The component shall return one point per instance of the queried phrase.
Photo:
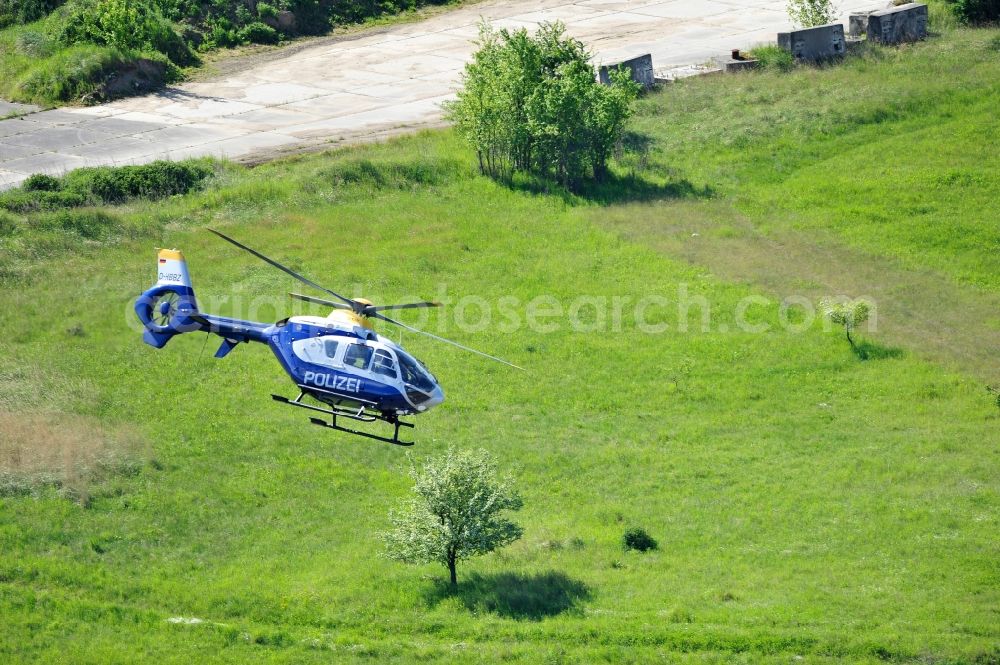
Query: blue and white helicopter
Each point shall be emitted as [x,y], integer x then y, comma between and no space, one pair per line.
[337,360]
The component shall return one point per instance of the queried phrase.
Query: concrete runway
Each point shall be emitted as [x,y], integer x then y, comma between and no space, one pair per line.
[374,83]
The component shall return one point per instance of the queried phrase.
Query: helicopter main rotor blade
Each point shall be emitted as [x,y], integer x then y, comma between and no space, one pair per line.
[411,305]
[321,301]
[289,271]
[446,341]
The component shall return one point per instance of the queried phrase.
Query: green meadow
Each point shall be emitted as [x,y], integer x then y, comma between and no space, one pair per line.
[809,506]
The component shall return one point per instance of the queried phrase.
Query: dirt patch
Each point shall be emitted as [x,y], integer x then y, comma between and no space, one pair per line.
[66,452]
[925,312]
[138,77]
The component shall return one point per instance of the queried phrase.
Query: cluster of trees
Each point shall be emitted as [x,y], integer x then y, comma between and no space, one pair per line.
[531,103]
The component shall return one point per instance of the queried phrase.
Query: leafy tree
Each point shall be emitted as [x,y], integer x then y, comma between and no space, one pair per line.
[976,11]
[849,314]
[532,104]
[456,513]
[810,13]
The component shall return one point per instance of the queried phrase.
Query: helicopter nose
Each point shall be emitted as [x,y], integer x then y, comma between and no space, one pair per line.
[436,397]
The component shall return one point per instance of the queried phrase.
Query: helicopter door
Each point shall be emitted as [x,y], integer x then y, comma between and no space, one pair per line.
[318,350]
[384,364]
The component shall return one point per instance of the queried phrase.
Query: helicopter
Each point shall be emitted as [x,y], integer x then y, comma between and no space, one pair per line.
[338,361]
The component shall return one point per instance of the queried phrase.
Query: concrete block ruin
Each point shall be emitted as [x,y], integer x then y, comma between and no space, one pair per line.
[823,42]
[905,23]
[739,62]
[857,23]
[641,68]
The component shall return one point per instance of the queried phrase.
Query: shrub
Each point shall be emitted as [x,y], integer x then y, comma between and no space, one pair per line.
[25,11]
[265,10]
[976,11]
[532,104]
[773,57]
[25,201]
[40,182]
[259,33]
[637,539]
[126,25]
[152,181]
[810,13]
[92,186]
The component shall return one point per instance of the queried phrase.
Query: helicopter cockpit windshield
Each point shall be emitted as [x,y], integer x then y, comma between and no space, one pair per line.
[414,374]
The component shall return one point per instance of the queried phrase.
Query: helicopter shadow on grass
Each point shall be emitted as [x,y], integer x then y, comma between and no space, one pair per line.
[513,595]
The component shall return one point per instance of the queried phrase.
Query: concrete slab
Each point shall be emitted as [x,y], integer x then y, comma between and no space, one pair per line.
[9,151]
[54,138]
[10,179]
[46,162]
[113,152]
[11,108]
[15,126]
[371,82]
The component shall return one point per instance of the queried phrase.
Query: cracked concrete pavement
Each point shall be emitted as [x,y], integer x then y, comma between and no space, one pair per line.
[373,83]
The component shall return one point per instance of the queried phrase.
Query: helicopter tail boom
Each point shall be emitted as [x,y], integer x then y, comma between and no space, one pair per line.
[169,308]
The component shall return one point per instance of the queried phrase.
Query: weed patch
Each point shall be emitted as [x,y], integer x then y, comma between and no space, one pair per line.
[68,453]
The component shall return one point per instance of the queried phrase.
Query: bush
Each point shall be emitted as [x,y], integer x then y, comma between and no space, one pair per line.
[151,181]
[265,10]
[25,11]
[41,183]
[25,201]
[94,186]
[810,13]
[773,57]
[126,25]
[637,539]
[976,11]
[259,33]
[532,104]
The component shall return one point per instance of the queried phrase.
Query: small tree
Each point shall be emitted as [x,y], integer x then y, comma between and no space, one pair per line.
[531,103]
[810,13]
[456,513]
[849,314]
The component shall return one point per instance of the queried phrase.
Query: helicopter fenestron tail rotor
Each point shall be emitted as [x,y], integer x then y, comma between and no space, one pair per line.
[164,308]
[360,307]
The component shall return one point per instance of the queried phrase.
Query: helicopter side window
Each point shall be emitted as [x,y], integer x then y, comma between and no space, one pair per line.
[384,364]
[330,348]
[358,356]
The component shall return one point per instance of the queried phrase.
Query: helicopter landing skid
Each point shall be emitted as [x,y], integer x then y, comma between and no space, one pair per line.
[358,414]
[395,435]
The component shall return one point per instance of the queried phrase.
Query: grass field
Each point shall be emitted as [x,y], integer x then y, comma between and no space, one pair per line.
[807,503]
